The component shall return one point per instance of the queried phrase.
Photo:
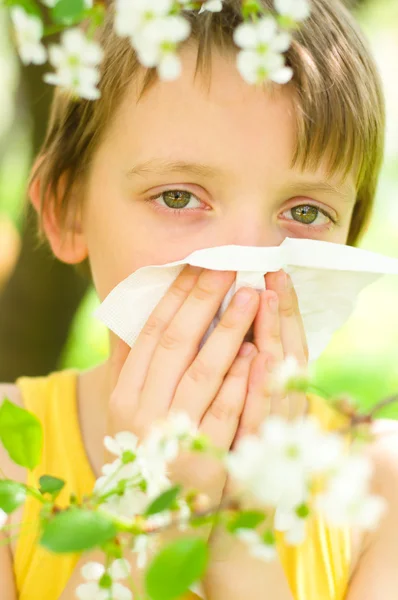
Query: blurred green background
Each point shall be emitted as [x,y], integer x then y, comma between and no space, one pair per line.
[362,359]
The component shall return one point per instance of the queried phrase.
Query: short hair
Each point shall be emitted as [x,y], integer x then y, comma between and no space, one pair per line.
[339,102]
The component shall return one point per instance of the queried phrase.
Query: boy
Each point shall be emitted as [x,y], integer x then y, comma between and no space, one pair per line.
[153,171]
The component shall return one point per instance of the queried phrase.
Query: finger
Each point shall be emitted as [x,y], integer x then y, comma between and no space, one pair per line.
[178,345]
[291,326]
[204,377]
[117,360]
[298,405]
[133,375]
[267,332]
[221,419]
[128,373]
[258,399]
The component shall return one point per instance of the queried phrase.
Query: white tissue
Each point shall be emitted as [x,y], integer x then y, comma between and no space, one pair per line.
[327,278]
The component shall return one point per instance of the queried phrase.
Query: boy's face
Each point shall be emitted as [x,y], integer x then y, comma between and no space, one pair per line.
[189,167]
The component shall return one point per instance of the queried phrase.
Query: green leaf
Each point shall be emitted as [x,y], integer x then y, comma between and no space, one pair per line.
[164,501]
[75,530]
[68,12]
[12,495]
[51,485]
[246,520]
[30,6]
[176,568]
[21,434]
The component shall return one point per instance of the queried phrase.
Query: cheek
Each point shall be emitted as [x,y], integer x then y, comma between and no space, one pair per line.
[119,244]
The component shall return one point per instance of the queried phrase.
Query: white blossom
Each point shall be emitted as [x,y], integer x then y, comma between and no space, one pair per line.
[148,467]
[256,69]
[297,10]
[347,500]
[286,373]
[92,572]
[143,546]
[52,3]
[257,546]
[29,32]
[261,56]
[76,61]
[156,44]
[132,16]
[124,441]
[293,525]
[126,506]
[278,465]
[3,518]
[184,514]
[211,6]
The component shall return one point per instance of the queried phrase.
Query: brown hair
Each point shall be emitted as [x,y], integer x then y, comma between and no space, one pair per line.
[339,102]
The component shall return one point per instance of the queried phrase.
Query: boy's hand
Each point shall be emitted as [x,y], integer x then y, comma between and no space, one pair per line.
[278,332]
[165,370]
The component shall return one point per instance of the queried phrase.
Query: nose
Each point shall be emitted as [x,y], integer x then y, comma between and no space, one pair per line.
[250,227]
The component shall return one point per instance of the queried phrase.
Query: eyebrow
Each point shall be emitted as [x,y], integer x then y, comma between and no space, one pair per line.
[346,193]
[162,167]
[157,166]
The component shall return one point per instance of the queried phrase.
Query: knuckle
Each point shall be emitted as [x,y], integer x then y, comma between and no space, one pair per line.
[181,287]
[223,410]
[274,335]
[171,339]
[246,429]
[203,290]
[200,371]
[229,321]
[286,309]
[153,326]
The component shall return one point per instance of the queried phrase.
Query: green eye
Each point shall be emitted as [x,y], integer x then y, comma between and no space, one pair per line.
[176,198]
[305,214]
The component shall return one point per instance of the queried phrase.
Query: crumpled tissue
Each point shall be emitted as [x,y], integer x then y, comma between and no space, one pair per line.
[327,278]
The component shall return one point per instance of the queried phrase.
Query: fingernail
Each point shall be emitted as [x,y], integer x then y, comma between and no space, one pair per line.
[273,303]
[245,349]
[243,297]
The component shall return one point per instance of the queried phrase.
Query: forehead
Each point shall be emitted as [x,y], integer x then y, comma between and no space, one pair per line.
[218,120]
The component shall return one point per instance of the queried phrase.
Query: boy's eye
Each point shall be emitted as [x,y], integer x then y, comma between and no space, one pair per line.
[308,214]
[177,199]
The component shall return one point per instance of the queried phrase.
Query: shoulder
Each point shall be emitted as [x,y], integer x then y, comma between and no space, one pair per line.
[383,452]
[10,469]
[10,391]
[384,449]
[375,574]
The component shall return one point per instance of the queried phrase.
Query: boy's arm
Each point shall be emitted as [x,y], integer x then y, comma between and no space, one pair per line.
[7,583]
[376,574]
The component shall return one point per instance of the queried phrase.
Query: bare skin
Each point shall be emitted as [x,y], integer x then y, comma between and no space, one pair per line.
[247,194]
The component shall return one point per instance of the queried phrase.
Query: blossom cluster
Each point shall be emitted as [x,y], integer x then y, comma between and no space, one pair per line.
[139,474]
[293,469]
[155,29]
[290,472]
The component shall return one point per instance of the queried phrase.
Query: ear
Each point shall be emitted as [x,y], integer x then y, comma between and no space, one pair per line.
[68,242]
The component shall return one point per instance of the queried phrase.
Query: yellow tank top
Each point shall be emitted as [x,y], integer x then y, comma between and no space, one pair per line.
[316,570]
